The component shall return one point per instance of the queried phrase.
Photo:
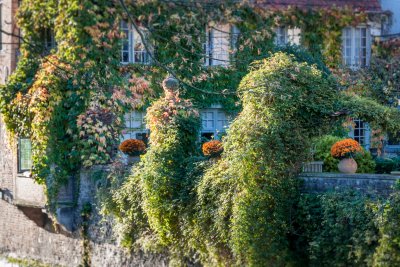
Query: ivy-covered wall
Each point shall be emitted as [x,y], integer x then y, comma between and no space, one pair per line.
[70,99]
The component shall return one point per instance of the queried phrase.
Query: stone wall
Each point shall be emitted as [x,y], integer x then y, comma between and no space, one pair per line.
[10,44]
[380,184]
[21,237]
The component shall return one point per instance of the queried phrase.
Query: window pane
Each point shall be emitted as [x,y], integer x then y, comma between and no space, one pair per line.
[25,154]
[220,44]
[359,131]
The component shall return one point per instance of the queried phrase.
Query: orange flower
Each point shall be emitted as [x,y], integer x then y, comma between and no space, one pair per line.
[345,148]
[132,147]
[212,148]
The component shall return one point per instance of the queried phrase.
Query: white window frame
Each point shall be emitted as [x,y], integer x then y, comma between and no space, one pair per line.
[221,42]
[135,124]
[361,134]
[28,160]
[356,46]
[218,118]
[132,40]
[287,35]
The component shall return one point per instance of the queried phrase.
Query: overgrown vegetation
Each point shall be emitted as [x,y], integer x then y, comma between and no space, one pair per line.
[234,211]
[70,99]
[237,210]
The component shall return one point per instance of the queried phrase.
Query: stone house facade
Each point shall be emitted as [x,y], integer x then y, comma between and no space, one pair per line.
[22,200]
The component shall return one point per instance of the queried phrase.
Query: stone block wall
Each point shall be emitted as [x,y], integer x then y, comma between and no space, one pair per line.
[21,237]
[10,44]
[379,184]
[6,161]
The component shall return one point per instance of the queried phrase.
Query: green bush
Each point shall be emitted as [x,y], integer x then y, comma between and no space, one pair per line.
[322,146]
[150,204]
[245,200]
[387,165]
[365,162]
[388,251]
[336,229]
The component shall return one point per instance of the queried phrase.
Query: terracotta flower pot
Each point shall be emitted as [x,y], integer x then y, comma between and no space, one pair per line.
[347,165]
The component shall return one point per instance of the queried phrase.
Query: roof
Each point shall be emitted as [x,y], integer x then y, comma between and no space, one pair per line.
[360,5]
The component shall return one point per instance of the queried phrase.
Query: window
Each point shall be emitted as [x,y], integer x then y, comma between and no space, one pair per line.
[133,50]
[221,40]
[213,122]
[24,155]
[135,126]
[393,139]
[356,46]
[360,132]
[287,35]
[49,40]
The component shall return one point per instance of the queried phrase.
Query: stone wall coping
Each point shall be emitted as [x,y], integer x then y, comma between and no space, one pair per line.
[355,176]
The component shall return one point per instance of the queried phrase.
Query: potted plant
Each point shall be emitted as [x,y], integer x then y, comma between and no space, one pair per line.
[345,150]
[212,149]
[133,148]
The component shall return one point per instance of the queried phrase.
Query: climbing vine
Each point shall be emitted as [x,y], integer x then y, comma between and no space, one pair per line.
[70,99]
[236,210]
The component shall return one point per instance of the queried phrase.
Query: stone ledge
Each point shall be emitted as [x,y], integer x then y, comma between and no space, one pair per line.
[364,176]
[377,184]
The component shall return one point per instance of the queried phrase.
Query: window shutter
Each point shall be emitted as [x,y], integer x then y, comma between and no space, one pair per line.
[367,143]
[208,47]
[235,32]
[369,43]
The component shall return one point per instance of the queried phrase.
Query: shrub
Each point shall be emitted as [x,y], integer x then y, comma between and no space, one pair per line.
[388,251]
[132,147]
[245,199]
[346,148]
[212,148]
[336,229]
[387,165]
[365,162]
[322,152]
[150,203]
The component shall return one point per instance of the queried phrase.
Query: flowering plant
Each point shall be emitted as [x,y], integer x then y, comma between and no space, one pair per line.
[212,148]
[132,147]
[346,148]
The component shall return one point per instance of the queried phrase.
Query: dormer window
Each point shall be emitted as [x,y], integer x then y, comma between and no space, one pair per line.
[286,35]
[220,44]
[356,46]
[133,49]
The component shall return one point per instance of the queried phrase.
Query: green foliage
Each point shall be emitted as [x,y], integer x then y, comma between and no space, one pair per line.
[159,185]
[365,162]
[78,124]
[322,152]
[232,212]
[387,165]
[236,210]
[336,229]
[388,251]
[245,200]
[53,91]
